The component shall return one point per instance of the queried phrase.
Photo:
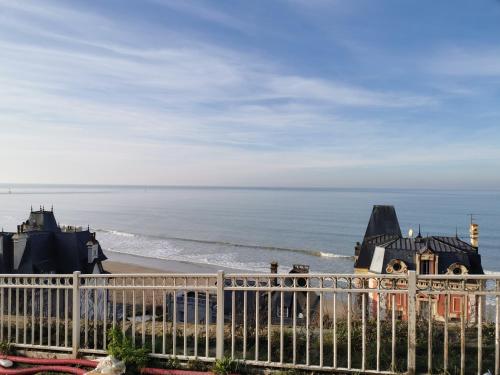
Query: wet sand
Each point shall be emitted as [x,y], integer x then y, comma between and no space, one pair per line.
[128,263]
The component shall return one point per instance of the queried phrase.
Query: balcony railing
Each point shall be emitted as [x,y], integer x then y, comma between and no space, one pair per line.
[345,323]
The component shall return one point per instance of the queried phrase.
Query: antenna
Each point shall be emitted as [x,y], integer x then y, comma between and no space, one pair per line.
[471,217]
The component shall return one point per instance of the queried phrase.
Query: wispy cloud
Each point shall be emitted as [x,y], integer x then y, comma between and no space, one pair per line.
[107,96]
[477,61]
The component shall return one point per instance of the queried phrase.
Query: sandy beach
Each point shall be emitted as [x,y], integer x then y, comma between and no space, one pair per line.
[128,263]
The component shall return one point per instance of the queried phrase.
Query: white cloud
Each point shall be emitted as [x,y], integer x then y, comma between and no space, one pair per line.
[88,106]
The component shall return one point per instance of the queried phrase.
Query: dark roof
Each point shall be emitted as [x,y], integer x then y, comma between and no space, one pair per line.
[383,231]
[368,247]
[40,246]
[383,221]
[382,227]
[449,249]
[41,220]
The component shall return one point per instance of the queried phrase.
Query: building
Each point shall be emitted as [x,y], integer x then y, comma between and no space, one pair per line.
[40,246]
[385,251]
[250,297]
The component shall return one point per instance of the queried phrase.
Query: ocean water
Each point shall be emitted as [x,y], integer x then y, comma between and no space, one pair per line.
[247,228]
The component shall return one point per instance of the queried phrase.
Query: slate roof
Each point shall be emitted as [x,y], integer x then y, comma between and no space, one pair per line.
[40,246]
[378,249]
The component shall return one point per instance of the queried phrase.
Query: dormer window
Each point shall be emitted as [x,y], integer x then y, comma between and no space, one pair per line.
[92,249]
[425,267]
[426,262]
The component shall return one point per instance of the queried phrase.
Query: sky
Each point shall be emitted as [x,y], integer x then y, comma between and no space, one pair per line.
[294,93]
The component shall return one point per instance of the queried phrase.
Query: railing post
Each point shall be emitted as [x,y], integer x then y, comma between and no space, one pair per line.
[76,314]
[412,321]
[219,331]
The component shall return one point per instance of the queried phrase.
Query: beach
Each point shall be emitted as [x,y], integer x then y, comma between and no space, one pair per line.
[128,263]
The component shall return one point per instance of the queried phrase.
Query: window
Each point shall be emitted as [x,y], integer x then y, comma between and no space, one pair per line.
[285,312]
[92,252]
[425,267]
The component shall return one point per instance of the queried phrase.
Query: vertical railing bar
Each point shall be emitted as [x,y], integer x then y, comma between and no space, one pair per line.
[2,311]
[96,302]
[174,321]
[58,307]
[269,306]
[462,336]
[153,319]
[429,336]
[393,333]
[143,325]
[25,314]
[17,310]
[9,310]
[479,335]
[321,297]
[114,302]
[207,322]
[497,332]
[282,313]
[308,321]
[445,344]
[219,337]
[40,331]
[363,332]
[349,331]
[184,326]
[49,313]
[257,307]
[334,336]
[245,296]
[75,331]
[134,312]
[412,321]
[196,321]
[378,330]
[124,305]
[233,322]
[86,322]
[66,308]
[105,314]
[33,304]
[294,345]
[164,317]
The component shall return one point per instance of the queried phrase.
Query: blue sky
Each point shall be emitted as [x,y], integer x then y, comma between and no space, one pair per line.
[257,93]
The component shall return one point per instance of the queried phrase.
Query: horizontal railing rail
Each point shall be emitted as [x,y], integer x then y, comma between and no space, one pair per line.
[350,323]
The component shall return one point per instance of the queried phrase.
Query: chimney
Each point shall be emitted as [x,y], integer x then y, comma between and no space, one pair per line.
[274,269]
[474,235]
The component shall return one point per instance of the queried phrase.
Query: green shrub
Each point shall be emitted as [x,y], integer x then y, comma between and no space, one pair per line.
[6,348]
[226,366]
[122,348]
[197,365]
[172,363]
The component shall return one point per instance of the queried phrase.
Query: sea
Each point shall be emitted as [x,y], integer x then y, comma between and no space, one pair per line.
[247,228]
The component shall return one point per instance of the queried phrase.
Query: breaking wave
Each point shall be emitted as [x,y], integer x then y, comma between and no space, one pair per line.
[316,253]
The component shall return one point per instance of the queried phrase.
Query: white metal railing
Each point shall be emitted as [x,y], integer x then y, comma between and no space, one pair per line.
[379,324]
